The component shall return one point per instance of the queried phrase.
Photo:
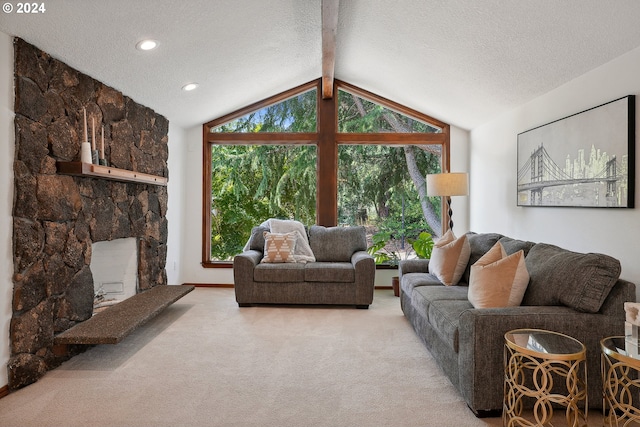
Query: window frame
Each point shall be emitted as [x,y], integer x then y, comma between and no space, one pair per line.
[326,138]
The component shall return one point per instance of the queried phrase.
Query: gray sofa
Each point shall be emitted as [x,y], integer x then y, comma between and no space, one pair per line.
[579,295]
[343,272]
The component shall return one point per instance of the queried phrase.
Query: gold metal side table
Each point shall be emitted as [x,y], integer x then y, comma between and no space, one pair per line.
[621,386]
[550,369]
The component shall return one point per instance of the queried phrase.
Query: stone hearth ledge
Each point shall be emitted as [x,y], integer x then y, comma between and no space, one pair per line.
[114,324]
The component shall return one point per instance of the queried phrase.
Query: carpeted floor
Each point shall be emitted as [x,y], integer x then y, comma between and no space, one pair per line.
[206,362]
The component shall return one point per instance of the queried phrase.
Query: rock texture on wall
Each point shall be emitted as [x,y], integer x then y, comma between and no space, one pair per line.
[56,218]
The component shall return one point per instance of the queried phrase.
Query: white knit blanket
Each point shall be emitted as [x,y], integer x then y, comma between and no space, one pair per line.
[302,251]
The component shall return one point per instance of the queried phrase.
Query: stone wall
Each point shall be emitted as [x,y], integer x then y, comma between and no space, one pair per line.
[56,218]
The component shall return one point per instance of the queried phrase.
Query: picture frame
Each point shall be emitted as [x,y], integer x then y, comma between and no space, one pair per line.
[583,160]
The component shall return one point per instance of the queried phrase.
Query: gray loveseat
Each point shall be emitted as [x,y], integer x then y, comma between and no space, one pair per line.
[343,272]
[579,295]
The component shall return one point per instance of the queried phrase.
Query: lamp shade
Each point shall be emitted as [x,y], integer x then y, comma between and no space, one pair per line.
[448,184]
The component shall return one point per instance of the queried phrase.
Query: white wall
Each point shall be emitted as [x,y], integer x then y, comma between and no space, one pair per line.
[460,163]
[7,143]
[615,232]
[193,272]
[176,207]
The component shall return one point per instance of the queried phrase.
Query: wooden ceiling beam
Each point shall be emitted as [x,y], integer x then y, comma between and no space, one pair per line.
[329,31]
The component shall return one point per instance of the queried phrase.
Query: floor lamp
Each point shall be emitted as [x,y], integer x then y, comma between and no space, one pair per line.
[447,185]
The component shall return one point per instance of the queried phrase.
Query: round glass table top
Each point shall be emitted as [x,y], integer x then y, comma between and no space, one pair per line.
[545,344]
[622,350]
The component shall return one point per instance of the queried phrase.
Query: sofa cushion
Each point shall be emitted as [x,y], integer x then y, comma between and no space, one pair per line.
[479,244]
[279,247]
[511,246]
[498,279]
[444,317]
[449,258]
[336,243]
[423,296]
[279,273]
[330,272]
[409,281]
[256,241]
[561,277]
[440,292]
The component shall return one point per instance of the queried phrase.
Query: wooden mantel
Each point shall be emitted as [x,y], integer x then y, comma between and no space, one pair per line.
[107,172]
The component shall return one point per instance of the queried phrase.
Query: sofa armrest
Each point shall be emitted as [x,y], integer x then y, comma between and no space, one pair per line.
[623,291]
[361,256]
[481,345]
[243,265]
[413,266]
[365,274]
[249,259]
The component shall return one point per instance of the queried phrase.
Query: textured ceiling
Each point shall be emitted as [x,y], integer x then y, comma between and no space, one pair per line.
[461,61]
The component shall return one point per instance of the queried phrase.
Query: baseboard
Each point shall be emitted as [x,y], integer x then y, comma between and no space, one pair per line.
[230,285]
[4,391]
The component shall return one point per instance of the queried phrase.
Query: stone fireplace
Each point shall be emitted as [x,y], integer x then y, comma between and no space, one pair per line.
[58,218]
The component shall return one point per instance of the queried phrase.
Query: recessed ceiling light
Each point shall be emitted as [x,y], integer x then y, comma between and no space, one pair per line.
[189,86]
[146,45]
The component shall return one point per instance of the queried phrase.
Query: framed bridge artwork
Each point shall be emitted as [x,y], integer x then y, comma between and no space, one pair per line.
[584,160]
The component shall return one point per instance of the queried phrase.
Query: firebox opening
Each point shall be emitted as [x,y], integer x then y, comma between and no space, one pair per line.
[114,265]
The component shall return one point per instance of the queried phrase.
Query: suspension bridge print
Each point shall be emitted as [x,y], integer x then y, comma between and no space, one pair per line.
[584,160]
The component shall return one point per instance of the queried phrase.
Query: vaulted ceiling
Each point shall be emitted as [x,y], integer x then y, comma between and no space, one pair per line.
[461,61]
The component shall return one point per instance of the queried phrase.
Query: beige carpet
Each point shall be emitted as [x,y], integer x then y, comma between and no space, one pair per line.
[206,362]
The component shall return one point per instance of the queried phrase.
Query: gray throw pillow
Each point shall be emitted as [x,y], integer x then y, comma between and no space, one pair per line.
[256,242]
[511,246]
[336,244]
[576,280]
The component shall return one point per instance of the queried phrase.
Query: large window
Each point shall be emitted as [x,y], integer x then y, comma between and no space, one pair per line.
[250,183]
[295,114]
[355,159]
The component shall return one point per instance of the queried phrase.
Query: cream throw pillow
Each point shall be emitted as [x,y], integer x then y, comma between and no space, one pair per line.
[498,279]
[279,247]
[302,252]
[449,258]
